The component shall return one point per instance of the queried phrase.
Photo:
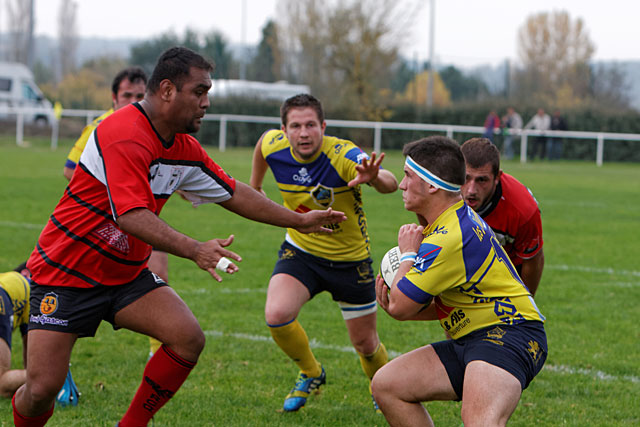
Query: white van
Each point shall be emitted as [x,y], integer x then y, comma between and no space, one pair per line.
[18,89]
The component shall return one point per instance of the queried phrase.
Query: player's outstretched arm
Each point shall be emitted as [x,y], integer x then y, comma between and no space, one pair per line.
[250,204]
[369,172]
[148,227]
[259,167]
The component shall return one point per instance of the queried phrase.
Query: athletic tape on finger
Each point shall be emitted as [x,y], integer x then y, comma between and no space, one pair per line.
[223,263]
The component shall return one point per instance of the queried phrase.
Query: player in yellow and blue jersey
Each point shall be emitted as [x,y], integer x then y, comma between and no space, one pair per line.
[314,171]
[455,270]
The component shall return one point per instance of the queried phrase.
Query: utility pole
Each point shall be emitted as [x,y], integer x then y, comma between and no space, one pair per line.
[432,32]
[243,60]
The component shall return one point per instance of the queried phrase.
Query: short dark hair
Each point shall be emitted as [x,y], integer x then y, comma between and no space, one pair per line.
[21,267]
[300,101]
[175,64]
[439,154]
[133,74]
[478,152]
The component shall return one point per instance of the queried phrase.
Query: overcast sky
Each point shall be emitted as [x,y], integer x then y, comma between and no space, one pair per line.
[467,32]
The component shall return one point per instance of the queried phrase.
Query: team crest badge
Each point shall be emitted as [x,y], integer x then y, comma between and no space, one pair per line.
[49,304]
[534,350]
[322,196]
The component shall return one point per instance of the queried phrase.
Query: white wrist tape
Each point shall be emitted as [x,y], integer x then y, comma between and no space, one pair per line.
[223,263]
[408,256]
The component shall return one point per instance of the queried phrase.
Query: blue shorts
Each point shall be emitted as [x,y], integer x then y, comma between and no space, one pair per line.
[519,349]
[350,283]
[6,317]
[80,310]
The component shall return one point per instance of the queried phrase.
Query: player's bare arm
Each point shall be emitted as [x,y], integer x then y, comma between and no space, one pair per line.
[148,227]
[532,271]
[250,204]
[259,167]
[369,172]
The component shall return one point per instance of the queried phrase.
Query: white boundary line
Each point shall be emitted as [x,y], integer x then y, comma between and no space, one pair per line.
[13,224]
[563,369]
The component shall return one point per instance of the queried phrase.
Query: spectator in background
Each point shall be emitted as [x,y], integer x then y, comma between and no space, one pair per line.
[555,144]
[540,122]
[491,124]
[512,122]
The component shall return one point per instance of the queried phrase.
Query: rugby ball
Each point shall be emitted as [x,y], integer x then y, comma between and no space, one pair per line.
[390,265]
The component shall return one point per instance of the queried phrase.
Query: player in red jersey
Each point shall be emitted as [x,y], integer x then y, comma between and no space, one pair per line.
[507,206]
[90,261]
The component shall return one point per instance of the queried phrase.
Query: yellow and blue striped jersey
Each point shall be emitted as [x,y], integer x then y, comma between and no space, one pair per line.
[17,287]
[461,264]
[76,151]
[321,183]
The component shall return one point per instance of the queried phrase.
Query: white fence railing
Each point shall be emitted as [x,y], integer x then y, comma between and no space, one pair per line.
[378,127]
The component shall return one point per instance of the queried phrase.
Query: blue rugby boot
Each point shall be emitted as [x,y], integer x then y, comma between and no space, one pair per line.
[300,392]
[68,394]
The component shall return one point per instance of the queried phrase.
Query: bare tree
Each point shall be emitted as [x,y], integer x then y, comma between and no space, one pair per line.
[555,51]
[67,36]
[20,18]
[345,50]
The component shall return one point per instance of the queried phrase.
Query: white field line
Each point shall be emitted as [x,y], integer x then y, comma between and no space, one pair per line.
[563,369]
[12,224]
[598,270]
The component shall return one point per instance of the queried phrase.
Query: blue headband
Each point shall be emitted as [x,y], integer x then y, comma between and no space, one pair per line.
[430,177]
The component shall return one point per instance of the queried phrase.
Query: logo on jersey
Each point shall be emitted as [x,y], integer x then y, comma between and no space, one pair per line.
[426,255]
[302,177]
[112,236]
[438,230]
[49,304]
[322,196]
[174,179]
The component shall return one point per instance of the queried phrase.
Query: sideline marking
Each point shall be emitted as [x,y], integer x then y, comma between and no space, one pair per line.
[563,369]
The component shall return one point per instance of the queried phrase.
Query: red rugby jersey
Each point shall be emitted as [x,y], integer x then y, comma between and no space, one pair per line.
[514,216]
[125,165]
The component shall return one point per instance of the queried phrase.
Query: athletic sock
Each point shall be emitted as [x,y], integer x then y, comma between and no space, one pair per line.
[164,374]
[20,420]
[293,340]
[374,361]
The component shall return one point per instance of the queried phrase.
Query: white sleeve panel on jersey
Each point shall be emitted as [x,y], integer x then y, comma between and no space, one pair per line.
[197,186]
[92,159]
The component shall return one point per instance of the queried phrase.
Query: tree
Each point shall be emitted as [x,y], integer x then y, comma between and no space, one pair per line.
[20,19]
[416,91]
[345,50]
[462,87]
[609,86]
[555,51]
[146,54]
[67,36]
[216,48]
[267,64]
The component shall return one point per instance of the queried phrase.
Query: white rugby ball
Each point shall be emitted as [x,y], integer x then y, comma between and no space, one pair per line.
[390,265]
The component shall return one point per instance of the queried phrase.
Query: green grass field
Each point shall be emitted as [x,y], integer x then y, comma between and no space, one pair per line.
[589,293]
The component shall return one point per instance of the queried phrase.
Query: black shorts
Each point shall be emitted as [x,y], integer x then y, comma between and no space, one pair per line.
[519,349]
[80,310]
[348,282]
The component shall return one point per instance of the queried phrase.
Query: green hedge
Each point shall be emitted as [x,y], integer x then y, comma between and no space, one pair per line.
[588,118]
